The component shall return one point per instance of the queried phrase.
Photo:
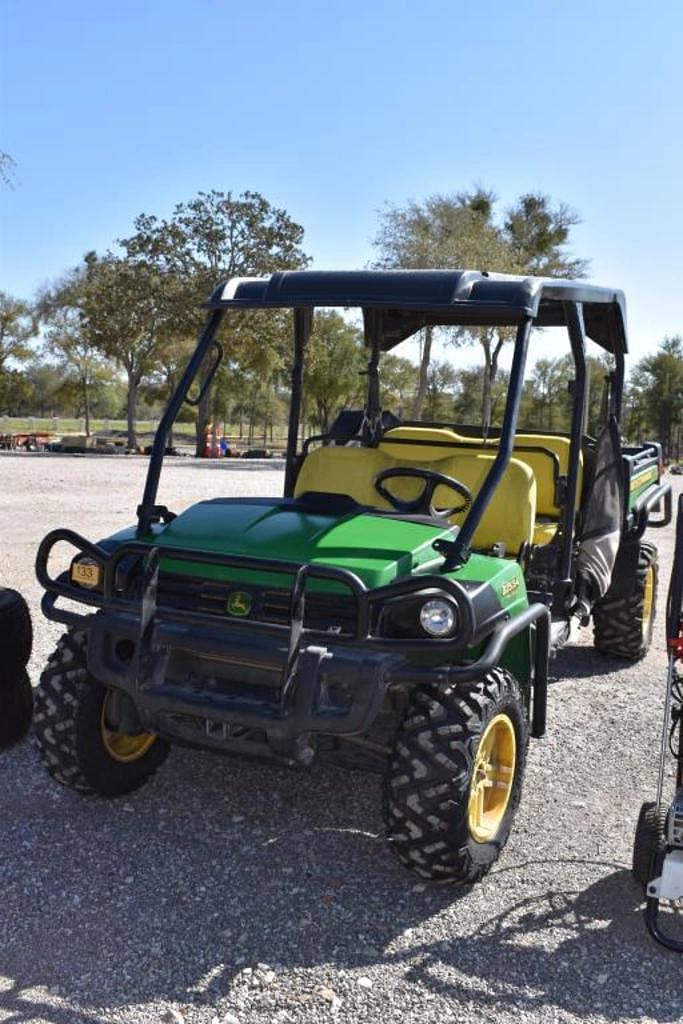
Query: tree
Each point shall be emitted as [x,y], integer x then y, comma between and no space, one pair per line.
[7,170]
[443,232]
[214,236]
[467,398]
[42,384]
[397,383]
[442,382]
[538,234]
[163,377]
[17,328]
[547,403]
[71,337]
[658,379]
[124,310]
[14,393]
[461,231]
[333,366]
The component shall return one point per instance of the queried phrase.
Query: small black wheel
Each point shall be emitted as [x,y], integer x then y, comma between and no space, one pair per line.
[623,621]
[454,778]
[16,707]
[649,836]
[76,736]
[16,635]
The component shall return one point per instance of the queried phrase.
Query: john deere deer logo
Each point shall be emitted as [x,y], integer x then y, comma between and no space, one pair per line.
[239,603]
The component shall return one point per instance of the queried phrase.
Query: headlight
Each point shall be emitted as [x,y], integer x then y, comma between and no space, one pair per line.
[427,613]
[438,617]
[86,572]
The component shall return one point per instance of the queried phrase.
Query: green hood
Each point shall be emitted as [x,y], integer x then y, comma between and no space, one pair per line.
[377,548]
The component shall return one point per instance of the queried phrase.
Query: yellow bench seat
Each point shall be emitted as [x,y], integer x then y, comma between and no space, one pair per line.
[546,465]
[509,518]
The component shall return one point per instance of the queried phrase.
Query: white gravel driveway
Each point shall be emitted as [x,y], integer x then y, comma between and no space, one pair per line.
[231,891]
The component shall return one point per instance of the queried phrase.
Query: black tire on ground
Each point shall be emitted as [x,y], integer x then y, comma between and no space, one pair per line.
[16,635]
[619,627]
[429,776]
[68,717]
[649,836]
[16,707]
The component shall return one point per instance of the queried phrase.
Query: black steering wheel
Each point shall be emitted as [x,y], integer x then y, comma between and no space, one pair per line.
[422,505]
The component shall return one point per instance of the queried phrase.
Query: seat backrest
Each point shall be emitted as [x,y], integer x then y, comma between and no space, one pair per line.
[342,470]
[509,518]
[430,443]
[548,462]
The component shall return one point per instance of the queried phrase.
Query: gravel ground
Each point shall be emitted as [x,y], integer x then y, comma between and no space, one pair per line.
[226,891]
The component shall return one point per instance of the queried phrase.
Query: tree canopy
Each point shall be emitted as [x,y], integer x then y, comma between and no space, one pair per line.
[464,230]
[214,236]
[115,332]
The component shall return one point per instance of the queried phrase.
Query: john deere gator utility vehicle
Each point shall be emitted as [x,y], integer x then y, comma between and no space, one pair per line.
[395,607]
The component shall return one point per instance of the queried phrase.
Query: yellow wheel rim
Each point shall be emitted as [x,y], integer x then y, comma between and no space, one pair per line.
[492,778]
[120,747]
[648,600]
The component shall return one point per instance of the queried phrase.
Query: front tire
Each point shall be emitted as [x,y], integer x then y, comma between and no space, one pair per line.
[78,745]
[454,778]
[623,624]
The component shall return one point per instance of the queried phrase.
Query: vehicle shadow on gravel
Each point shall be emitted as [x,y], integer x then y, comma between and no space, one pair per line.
[169,894]
[221,865]
[562,950]
[582,661]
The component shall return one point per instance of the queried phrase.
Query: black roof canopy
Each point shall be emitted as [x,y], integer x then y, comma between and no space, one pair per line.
[411,299]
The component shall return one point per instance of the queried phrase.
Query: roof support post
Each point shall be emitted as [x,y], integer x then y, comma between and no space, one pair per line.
[577,339]
[458,551]
[618,389]
[146,511]
[373,320]
[303,323]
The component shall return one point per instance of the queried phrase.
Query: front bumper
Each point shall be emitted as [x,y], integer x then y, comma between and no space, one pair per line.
[241,684]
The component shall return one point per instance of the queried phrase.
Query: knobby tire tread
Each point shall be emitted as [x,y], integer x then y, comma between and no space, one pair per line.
[427,782]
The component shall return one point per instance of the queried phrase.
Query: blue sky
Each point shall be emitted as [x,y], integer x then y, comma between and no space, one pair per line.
[330,109]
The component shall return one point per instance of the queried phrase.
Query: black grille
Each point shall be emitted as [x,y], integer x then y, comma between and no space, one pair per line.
[330,613]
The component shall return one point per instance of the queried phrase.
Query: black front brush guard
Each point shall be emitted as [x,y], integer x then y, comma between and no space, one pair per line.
[155,628]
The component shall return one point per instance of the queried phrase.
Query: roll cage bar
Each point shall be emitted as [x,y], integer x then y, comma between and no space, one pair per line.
[395,305]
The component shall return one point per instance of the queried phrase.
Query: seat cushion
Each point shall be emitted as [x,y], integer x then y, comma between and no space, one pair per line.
[545,533]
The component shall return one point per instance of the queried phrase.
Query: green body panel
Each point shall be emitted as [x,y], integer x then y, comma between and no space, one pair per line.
[378,549]
[502,574]
[640,482]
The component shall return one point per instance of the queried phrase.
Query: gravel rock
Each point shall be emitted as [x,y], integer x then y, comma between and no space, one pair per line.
[154,909]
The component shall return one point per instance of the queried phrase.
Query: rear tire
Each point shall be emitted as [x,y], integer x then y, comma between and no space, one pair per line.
[435,774]
[69,726]
[623,625]
[649,836]
[16,707]
[16,635]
